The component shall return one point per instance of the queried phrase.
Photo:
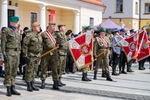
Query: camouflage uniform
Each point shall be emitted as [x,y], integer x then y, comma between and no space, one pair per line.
[11,49]
[99,47]
[62,52]
[51,58]
[32,48]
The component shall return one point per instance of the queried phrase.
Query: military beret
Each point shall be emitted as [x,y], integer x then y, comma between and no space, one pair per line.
[52,23]
[68,32]
[132,31]
[108,31]
[102,30]
[14,19]
[2,29]
[87,28]
[75,35]
[122,30]
[61,25]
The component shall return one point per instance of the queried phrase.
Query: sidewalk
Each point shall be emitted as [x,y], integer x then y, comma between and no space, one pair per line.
[133,86]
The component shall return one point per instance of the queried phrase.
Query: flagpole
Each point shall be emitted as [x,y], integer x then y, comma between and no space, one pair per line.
[49,51]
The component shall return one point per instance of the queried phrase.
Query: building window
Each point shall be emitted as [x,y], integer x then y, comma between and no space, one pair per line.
[33,17]
[91,21]
[11,12]
[136,8]
[119,5]
[147,8]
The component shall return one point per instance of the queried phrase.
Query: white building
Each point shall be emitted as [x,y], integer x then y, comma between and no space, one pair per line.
[74,13]
[133,13]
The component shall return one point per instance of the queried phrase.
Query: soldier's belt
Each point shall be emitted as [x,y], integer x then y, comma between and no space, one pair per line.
[15,49]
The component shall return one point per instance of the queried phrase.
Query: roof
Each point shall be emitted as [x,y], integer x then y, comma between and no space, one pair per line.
[96,2]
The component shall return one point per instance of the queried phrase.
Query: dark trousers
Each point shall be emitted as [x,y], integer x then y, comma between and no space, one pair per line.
[122,62]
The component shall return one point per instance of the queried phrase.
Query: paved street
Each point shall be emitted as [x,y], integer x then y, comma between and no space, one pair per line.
[133,86]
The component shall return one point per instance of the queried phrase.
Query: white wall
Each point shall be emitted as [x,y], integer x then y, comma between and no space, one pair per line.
[111,9]
[87,13]
[143,15]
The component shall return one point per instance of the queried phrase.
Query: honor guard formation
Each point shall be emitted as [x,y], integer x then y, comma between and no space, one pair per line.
[40,53]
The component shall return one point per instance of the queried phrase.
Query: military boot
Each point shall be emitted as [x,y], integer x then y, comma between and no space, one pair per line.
[123,70]
[8,91]
[87,77]
[13,91]
[108,78]
[103,74]
[129,69]
[55,85]
[62,84]
[29,88]
[43,84]
[114,71]
[95,75]
[33,86]
[84,77]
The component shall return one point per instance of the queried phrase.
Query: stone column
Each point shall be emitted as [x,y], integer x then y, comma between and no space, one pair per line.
[76,21]
[4,13]
[43,17]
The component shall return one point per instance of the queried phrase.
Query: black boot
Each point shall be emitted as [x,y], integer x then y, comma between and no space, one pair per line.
[87,77]
[129,69]
[140,65]
[13,91]
[114,71]
[95,75]
[8,91]
[62,84]
[84,77]
[55,85]
[33,87]
[123,70]
[108,78]
[43,84]
[29,88]
[103,74]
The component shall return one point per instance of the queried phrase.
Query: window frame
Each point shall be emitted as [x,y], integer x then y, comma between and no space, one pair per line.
[117,7]
[145,8]
[136,8]
[31,18]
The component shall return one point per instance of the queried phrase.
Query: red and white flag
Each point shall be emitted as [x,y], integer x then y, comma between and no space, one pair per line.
[144,46]
[130,46]
[81,49]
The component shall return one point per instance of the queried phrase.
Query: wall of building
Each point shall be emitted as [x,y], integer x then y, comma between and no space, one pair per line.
[135,15]
[129,22]
[87,13]
[111,9]
[0,12]
[67,17]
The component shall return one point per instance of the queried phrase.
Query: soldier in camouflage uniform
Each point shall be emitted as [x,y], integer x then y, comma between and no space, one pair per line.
[11,50]
[49,43]
[32,49]
[102,43]
[62,51]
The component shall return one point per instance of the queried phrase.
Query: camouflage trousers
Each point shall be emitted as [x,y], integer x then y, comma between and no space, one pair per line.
[53,61]
[31,69]
[62,65]
[105,58]
[11,70]
[85,70]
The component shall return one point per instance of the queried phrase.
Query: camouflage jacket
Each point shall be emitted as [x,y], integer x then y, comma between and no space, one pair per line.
[32,45]
[62,39]
[10,42]
[47,43]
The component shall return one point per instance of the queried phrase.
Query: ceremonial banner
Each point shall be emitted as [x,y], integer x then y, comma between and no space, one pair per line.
[130,46]
[81,49]
[144,48]
[52,15]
